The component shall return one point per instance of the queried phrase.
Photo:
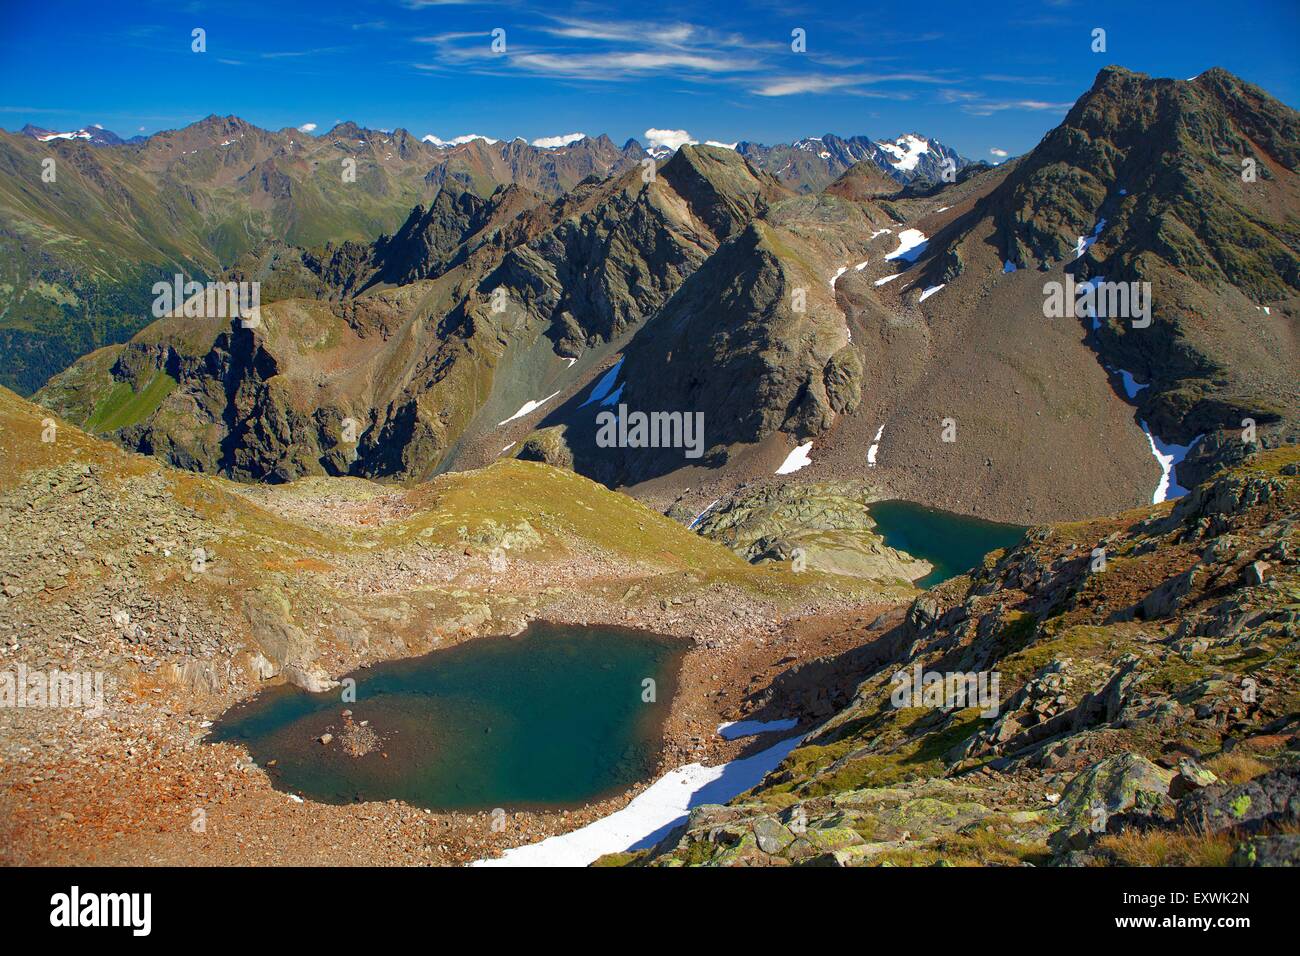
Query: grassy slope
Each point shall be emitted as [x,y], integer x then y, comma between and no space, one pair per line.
[571,514]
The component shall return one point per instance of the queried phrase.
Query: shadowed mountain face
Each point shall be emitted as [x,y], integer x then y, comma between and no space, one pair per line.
[897,332]
[466,313]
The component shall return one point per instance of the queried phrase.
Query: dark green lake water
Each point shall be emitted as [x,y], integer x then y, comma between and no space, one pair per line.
[552,718]
[952,543]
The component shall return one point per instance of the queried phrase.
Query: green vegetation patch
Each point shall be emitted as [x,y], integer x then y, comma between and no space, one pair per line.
[123,406]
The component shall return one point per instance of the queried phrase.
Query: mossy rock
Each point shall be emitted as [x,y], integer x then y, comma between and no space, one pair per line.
[1114,785]
[547,446]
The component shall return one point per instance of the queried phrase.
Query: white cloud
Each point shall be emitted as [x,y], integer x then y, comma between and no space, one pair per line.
[459,140]
[554,142]
[1000,153]
[307,128]
[714,142]
[672,138]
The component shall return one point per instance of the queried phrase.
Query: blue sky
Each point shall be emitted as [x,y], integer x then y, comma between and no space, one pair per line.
[981,77]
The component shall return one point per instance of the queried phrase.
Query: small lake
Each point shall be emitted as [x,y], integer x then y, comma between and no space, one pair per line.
[953,543]
[551,718]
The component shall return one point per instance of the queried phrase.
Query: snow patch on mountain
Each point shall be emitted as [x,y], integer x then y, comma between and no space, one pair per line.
[796,459]
[1086,241]
[1169,456]
[601,391]
[874,450]
[653,813]
[911,243]
[1131,386]
[527,407]
[735,729]
[906,150]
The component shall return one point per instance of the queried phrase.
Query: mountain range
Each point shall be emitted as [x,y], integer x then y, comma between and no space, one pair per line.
[503,320]
[82,251]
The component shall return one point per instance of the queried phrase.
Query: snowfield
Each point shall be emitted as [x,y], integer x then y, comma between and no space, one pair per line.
[1169,456]
[652,814]
[911,243]
[796,459]
[528,407]
[906,150]
[875,447]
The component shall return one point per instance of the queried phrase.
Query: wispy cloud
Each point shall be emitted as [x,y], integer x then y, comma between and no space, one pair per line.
[285,54]
[989,107]
[604,51]
[32,109]
[959,96]
[588,50]
[1020,80]
[826,83]
[612,65]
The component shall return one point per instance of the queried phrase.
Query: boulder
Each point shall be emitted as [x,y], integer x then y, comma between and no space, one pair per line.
[1113,785]
[1272,799]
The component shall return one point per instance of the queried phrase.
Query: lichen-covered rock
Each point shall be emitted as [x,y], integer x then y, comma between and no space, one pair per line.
[1272,799]
[1282,849]
[1110,786]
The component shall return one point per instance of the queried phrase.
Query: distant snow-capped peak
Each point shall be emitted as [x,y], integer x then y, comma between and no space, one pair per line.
[906,151]
[95,133]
